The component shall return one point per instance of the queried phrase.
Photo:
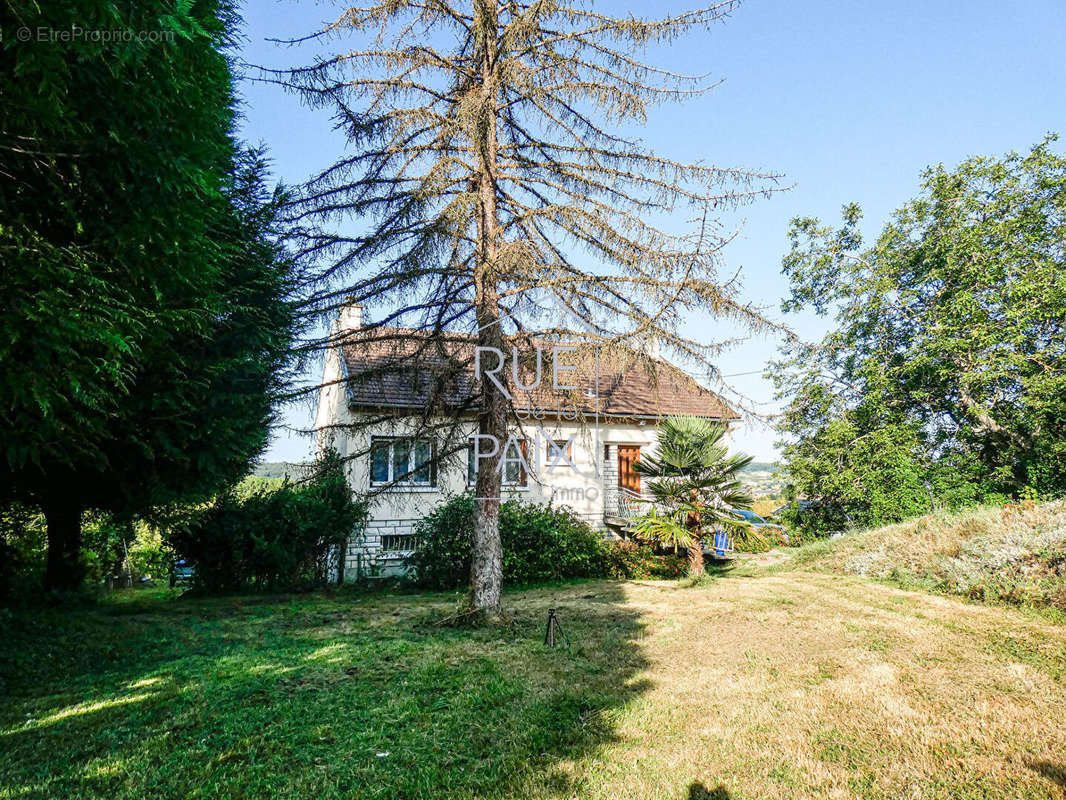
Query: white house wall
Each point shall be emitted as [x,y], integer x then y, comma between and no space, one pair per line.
[589,490]
[332,409]
[580,487]
[396,510]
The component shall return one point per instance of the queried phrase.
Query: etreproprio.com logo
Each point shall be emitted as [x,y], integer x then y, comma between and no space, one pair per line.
[76,34]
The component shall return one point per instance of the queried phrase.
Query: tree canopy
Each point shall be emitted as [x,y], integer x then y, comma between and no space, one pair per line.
[147,312]
[943,378]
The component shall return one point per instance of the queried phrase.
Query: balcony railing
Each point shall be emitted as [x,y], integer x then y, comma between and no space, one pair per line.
[634,504]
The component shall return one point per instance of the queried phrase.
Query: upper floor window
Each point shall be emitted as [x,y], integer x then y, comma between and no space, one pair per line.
[559,453]
[402,460]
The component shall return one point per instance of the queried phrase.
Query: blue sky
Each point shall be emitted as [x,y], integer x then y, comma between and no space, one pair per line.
[849,100]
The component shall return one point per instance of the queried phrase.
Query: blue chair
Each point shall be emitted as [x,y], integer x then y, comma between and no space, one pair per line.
[723,544]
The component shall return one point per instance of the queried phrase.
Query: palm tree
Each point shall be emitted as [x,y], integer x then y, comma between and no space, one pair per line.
[693,486]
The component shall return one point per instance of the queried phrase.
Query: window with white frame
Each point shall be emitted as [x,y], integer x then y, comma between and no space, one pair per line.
[403,461]
[514,471]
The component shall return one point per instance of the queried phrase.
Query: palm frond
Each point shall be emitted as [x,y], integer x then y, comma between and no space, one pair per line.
[691,477]
[667,529]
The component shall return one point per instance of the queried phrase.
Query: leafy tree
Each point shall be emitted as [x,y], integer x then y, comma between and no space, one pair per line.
[860,477]
[942,379]
[694,483]
[104,176]
[22,540]
[146,313]
[484,191]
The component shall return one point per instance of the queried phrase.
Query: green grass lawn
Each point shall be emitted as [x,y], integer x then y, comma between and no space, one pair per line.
[357,696]
[766,685]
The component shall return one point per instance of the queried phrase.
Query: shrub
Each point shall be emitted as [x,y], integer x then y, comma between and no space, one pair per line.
[540,543]
[629,560]
[107,541]
[148,554]
[445,538]
[544,544]
[272,538]
[23,543]
[798,537]
[815,520]
[115,544]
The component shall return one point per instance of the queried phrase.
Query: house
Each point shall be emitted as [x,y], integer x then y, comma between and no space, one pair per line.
[402,409]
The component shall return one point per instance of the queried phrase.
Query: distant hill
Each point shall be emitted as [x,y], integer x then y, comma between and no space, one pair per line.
[279,469]
[760,479]
[761,466]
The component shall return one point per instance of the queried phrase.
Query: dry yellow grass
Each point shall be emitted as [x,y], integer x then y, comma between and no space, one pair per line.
[1015,554]
[783,685]
[805,685]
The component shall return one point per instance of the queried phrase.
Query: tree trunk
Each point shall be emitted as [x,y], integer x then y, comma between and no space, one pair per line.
[695,557]
[695,549]
[63,571]
[486,570]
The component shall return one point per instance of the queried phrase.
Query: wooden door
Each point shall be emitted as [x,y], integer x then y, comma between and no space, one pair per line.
[628,477]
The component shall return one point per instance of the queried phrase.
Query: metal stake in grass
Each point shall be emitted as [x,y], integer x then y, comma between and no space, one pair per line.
[554,629]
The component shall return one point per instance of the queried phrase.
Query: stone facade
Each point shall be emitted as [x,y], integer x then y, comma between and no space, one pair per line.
[366,555]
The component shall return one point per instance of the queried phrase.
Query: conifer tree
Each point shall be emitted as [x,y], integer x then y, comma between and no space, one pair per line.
[148,316]
[487,188]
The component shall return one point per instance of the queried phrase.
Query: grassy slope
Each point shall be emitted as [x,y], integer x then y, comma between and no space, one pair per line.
[784,685]
[1014,554]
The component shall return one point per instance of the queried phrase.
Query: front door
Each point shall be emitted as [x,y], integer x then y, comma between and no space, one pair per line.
[628,477]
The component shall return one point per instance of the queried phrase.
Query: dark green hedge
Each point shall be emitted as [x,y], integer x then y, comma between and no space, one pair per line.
[272,538]
[540,543]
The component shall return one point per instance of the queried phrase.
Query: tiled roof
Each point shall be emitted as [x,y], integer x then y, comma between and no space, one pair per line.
[396,368]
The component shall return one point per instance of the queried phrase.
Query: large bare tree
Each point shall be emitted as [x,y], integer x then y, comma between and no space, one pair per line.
[487,187]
